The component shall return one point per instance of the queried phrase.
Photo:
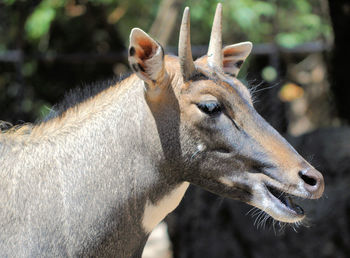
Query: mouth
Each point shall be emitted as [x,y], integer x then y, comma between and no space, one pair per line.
[269,198]
[285,202]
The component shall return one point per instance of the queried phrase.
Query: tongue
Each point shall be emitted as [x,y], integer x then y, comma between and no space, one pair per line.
[293,206]
[299,210]
[289,202]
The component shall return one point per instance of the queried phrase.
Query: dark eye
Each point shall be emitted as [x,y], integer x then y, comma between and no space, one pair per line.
[210,107]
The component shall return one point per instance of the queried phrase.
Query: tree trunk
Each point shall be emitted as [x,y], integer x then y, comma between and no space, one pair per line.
[165,20]
[339,68]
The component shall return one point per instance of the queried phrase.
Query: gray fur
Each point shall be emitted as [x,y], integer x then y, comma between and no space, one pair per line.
[82,189]
[83,193]
[94,178]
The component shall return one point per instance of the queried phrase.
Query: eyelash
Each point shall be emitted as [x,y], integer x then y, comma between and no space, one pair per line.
[210,107]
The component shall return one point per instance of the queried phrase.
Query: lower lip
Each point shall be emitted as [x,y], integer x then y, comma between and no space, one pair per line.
[284,207]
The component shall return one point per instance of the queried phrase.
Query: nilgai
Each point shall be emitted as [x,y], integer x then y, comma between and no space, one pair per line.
[95,178]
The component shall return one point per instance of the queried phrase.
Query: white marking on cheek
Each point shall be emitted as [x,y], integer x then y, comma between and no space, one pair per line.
[155,213]
[200,147]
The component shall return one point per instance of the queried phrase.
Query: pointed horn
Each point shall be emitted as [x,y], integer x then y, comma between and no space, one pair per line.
[215,43]
[185,53]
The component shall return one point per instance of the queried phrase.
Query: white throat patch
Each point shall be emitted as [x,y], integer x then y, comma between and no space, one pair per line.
[155,213]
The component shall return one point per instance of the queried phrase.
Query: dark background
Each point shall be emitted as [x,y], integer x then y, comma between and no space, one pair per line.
[299,69]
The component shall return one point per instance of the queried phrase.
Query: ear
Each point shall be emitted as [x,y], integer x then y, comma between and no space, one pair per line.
[146,58]
[234,56]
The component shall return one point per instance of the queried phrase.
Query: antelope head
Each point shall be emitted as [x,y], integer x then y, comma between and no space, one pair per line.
[214,136]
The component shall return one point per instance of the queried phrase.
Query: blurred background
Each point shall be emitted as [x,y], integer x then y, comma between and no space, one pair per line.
[298,69]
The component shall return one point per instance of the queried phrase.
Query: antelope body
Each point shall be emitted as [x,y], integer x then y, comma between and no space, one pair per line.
[96,179]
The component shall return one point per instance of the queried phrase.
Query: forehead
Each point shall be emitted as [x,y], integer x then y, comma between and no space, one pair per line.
[205,81]
[219,85]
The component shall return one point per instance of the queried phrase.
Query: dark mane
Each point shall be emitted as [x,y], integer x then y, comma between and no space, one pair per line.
[80,94]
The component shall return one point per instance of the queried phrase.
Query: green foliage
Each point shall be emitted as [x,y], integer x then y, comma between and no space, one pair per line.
[269,74]
[298,24]
[103,2]
[38,23]
[288,23]
[8,2]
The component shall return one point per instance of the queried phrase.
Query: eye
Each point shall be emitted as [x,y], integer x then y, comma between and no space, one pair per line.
[210,107]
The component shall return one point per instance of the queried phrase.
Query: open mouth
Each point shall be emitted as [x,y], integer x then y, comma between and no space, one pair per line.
[285,201]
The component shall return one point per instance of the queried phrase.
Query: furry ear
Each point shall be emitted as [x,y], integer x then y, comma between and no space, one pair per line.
[146,58]
[234,56]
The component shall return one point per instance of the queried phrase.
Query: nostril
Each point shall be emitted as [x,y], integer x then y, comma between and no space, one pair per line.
[307,179]
[312,182]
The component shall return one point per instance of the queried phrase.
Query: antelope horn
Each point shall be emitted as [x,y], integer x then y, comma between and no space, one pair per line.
[215,43]
[185,53]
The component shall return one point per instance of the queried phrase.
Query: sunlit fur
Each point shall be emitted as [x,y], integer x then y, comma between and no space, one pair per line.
[95,180]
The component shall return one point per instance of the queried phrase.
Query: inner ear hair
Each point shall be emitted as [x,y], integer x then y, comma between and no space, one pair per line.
[146,58]
[234,56]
